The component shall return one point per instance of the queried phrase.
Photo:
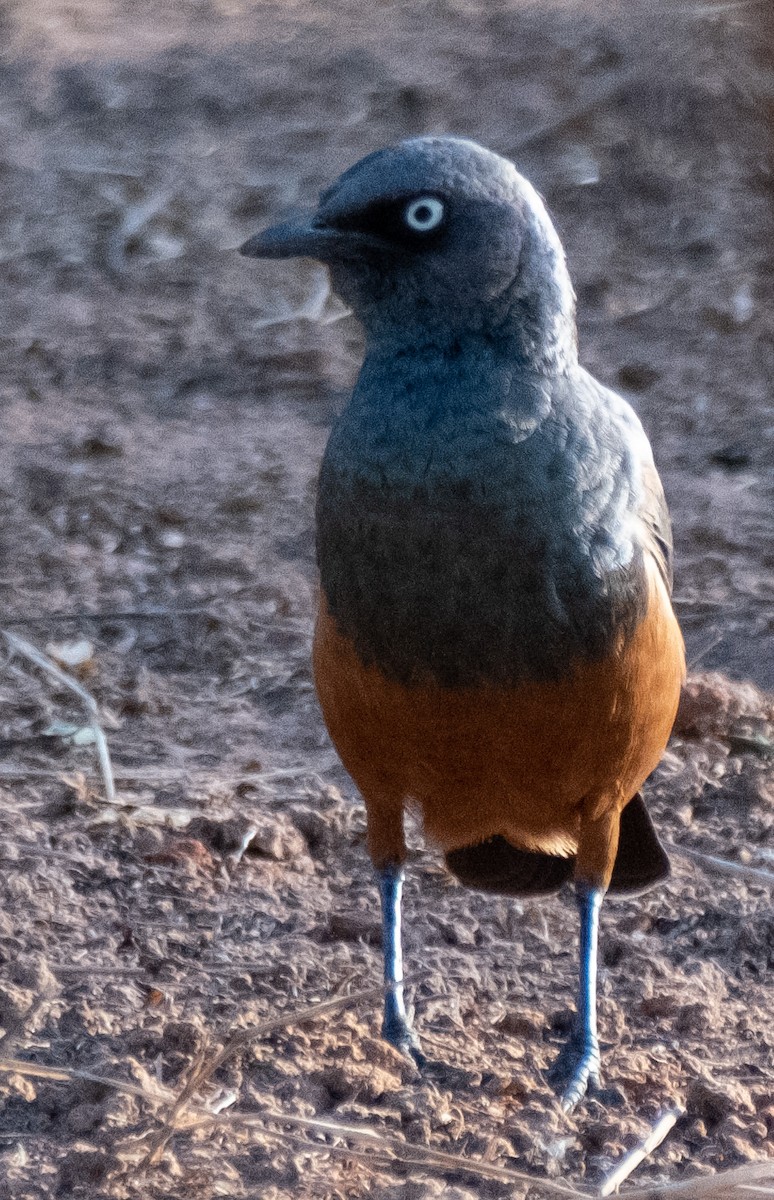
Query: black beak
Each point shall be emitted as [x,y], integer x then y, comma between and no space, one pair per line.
[304,238]
[291,239]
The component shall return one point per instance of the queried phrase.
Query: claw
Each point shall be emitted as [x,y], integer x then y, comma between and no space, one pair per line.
[584,1078]
[399,1034]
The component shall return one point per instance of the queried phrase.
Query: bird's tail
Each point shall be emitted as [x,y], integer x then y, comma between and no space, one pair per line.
[497,866]
[641,860]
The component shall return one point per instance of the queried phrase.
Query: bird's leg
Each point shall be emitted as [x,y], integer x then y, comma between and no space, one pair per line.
[396,1027]
[585,1041]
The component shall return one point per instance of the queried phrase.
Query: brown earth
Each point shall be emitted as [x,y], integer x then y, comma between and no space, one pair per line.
[165,404]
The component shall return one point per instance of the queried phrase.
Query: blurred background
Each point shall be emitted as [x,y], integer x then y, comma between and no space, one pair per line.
[164,406]
[143,142]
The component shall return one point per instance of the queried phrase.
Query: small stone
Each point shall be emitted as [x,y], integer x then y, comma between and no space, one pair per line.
[684,815]
[172,539]
[713,1104]
[226,837]
[15,1004]
[316,1095]
[276,837]
[100,444]
[33,972]
[368,1083]
[188,852]
[147,840]
[734,313]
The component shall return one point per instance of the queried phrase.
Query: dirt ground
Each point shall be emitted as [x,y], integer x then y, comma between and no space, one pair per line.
[165,404]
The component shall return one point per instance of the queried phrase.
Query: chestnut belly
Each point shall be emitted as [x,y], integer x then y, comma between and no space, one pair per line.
[515,760]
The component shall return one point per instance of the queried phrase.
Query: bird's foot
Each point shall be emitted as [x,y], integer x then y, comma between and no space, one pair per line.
[580,1061]
[397,1031]
[585,1073]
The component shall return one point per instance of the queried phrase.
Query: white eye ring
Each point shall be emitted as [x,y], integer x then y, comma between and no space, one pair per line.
[424,214]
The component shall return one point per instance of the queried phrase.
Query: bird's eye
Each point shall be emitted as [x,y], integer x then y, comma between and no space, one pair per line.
[424,214]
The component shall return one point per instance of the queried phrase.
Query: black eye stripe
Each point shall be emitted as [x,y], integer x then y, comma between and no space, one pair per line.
[387,220]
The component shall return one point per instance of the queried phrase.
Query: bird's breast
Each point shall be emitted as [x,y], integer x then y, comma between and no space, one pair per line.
[458,581]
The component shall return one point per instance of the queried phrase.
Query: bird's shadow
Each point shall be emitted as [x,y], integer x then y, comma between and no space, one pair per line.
[445,1075]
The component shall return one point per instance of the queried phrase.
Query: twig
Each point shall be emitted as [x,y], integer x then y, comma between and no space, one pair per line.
[158,774]
[301,624]
[710,643]
[720,1185]
[20,645]
[390,1149]
[204,1068]
[723,865]
[132,614]
[386,1150]
[139,972]
[19,1066]
[394,1150]
[247,837]
[633,1159]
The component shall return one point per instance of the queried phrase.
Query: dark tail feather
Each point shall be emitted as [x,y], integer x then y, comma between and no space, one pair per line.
[497,866]
[641,860]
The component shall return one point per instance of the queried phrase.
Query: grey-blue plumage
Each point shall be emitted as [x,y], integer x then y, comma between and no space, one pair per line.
[483,502]
[477,522]
[480,503]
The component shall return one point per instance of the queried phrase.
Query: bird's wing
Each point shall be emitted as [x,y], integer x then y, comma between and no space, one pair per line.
[633,457]
[657,527]
[652,512]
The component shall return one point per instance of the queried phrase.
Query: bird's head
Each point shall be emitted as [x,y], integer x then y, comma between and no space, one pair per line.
[438,239]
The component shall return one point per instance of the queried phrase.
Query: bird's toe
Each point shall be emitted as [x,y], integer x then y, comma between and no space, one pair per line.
[584,1076]
[400,1035]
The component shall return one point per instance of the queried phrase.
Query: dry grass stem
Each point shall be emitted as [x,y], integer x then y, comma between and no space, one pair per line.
[19,645]
[624,1168]
[209,608]
[205,1067]
[390,1150]
[723,865]
[714,639]
[164,774]
[382,1149]
[726,1185]
[220,970]
[19,1066]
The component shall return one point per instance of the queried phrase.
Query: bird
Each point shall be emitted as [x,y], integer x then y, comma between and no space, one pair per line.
[495,646]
